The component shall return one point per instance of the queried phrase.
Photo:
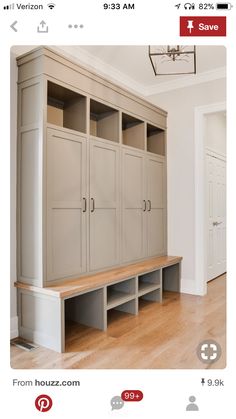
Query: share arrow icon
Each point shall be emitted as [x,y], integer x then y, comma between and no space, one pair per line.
[42,28]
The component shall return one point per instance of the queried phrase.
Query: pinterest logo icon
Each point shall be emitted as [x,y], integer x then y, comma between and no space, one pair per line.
[43,403]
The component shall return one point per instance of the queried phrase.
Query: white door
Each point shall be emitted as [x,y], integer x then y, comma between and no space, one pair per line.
[216,215]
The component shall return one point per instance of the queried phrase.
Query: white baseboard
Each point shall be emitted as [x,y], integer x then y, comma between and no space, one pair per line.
[14,327]
[189,286]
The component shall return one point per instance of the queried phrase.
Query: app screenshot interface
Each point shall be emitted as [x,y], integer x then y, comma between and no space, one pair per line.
[118,212]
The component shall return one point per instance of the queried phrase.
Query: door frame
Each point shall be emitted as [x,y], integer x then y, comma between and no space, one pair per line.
[200,194]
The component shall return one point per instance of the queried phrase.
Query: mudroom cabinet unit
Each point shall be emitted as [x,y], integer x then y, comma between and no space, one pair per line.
[91,174]
[91,209]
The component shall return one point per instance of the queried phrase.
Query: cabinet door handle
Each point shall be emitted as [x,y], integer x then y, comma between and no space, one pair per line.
[92,204]
[144,205]
[149,205]
[216,223]
[84,205]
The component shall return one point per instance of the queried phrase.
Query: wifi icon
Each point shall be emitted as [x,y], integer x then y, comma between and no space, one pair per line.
[51,5]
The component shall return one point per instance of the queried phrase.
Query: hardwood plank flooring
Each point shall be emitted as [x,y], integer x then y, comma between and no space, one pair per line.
[162,336]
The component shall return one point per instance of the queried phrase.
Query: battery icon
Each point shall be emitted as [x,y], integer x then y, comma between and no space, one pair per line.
[224,6]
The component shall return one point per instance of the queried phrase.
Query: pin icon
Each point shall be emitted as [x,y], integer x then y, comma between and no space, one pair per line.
[190,25]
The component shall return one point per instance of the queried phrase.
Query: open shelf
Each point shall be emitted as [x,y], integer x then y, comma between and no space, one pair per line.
[133,131]
[104,121]
[149,282]
[116,298]
[155,140]
[154,295]
[66,108]
[153,278]
[131,307]
[145,288]
[120,293]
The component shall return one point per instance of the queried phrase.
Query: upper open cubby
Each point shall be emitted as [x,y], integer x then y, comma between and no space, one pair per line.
[155,140]
[104,121]
[66,108]
[133,133]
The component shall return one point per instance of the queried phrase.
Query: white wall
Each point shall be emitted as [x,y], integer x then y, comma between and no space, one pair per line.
[180,105]
[215,132]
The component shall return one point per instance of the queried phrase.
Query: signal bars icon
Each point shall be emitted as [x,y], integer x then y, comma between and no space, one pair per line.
[9,7]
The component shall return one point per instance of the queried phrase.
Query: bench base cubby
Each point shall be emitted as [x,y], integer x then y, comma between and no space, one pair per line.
[120,293]
[150,286]
[87,309]
[43,312]
[171,278]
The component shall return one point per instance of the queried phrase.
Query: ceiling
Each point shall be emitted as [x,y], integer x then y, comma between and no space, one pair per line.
[134,61]
[130,66]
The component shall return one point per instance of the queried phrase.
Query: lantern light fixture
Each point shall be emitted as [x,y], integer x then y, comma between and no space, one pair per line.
[172,59]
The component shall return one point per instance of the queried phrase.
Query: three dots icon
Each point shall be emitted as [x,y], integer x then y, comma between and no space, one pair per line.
[70,26]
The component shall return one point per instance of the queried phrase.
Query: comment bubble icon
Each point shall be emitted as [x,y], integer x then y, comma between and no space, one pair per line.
[116,403]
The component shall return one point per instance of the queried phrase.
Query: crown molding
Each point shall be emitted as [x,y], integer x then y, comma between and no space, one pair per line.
[191,80]
[106,70]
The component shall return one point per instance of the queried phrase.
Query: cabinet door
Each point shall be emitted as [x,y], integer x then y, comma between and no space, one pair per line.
[133,205]
[104,205]
[156,206]
[66,216]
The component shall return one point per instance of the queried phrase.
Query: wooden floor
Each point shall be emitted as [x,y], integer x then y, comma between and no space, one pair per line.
[162,336]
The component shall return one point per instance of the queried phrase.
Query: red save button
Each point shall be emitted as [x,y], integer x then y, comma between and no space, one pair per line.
[202,26]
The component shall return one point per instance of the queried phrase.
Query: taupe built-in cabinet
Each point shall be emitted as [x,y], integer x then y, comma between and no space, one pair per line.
[91,172]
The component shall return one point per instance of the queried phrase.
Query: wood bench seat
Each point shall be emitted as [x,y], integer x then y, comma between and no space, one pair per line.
[87,300]
[90,282]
